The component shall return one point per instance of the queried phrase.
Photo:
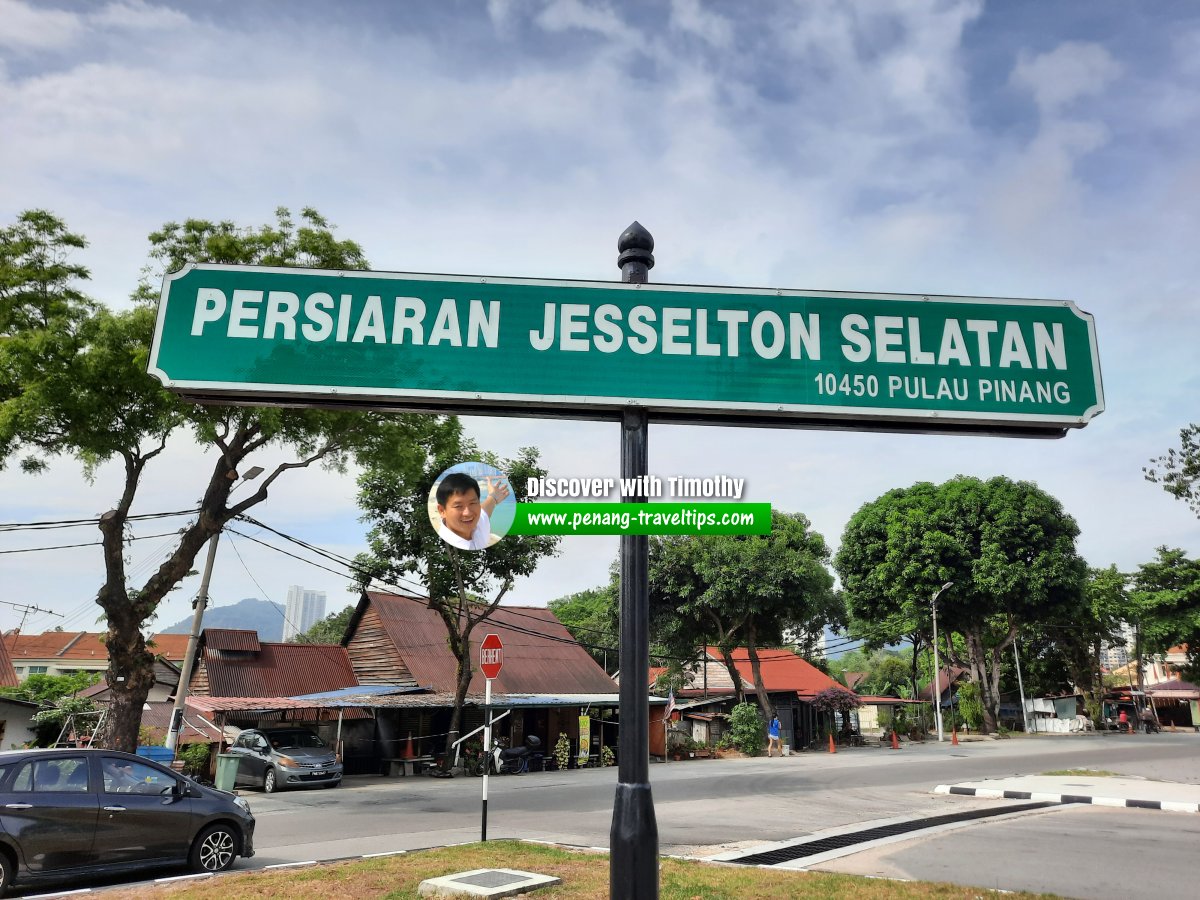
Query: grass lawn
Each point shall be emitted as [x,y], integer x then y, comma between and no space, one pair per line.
[1085,773]
[584,875]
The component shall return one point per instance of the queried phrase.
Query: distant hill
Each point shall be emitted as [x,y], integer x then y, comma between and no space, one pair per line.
[262,616]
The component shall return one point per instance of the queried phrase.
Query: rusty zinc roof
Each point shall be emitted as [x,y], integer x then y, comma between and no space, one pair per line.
[272,708]
[196,729]
[278,670]
[8,675]
[540,656]
[231,639]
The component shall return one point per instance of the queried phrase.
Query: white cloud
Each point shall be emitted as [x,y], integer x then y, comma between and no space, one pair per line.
[29,28]
[1068,72]
[137,15]
[691,17]
[567,15]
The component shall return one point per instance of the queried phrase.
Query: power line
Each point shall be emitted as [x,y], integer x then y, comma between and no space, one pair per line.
[144,537]
[424,598]
[75,523]
[282,612]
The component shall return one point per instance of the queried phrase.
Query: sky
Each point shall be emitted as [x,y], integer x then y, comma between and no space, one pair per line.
[1006,149]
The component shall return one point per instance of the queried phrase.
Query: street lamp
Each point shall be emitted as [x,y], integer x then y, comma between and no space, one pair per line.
[937,668]
[175,728]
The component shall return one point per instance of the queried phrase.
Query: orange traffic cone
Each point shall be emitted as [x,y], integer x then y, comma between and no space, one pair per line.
[832,745]
[954,738]
[408,749]
[895,741]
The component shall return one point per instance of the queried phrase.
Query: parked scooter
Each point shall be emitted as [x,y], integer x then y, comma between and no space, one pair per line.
[505,761]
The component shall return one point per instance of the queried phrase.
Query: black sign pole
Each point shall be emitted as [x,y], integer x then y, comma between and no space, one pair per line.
[633,838]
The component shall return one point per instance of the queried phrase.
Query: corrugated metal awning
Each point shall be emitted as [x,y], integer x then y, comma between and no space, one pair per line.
[365,690]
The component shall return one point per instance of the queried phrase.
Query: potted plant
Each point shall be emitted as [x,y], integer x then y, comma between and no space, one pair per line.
[562,751]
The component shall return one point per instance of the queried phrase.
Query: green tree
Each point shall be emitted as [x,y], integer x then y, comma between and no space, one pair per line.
[1166,600]
[73,382]
[1178,471]
[591,617]
[747,733]
[330,630]
[885,672]
[464,587]
[58,696]
[49,689]
[887,675]
[1007,547]
[1065,652]
[737,590]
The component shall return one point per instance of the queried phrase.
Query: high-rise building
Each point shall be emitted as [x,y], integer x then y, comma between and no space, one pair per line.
[1114,654]
[304,610]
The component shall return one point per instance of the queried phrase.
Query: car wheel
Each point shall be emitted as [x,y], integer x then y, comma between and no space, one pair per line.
[269,783]
[7,871]
[214,849]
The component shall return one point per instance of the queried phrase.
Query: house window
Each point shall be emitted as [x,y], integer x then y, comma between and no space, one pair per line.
[37,670]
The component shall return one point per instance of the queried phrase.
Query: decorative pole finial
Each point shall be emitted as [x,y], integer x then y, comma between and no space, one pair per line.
[636,259]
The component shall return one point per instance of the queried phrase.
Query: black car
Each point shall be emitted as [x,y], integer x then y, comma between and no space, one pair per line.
[285,756]
[66,814]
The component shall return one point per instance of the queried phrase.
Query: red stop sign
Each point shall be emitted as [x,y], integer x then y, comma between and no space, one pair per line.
[491,656]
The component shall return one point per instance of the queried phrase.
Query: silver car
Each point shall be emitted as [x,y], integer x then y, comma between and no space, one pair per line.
[285,757]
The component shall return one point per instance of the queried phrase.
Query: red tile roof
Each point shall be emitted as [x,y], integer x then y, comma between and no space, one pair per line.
[169,646]
[84,645]
[782,670]
[278,670]
[540,656]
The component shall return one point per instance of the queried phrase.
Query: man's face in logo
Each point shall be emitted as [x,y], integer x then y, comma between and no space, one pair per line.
[461,513]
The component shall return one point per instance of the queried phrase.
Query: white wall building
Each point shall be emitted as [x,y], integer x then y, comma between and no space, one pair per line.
[304,610]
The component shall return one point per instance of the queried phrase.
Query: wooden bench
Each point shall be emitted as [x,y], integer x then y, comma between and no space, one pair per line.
[399,766]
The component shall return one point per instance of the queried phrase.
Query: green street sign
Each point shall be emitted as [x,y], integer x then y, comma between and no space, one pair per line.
[578,349]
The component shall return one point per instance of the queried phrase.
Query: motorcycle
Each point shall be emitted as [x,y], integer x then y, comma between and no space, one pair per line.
[502,760]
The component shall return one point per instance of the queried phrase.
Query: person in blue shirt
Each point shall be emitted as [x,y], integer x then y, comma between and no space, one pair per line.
[773,737]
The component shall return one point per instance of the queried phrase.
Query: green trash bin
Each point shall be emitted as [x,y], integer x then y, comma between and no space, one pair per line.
[227,768]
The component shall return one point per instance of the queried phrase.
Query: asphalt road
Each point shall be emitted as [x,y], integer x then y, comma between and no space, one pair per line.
[704,807]
[707,806]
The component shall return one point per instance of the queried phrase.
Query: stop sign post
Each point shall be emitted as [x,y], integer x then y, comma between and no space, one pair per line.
[491,661]
[491,657]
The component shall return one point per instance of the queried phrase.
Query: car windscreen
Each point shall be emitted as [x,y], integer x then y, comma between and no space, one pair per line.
[283,740]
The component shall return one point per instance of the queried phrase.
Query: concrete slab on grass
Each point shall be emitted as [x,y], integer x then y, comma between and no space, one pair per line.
[485,883]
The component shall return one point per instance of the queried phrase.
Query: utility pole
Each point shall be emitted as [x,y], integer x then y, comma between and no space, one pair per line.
[189,657]
[936,689]
[1021,688]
